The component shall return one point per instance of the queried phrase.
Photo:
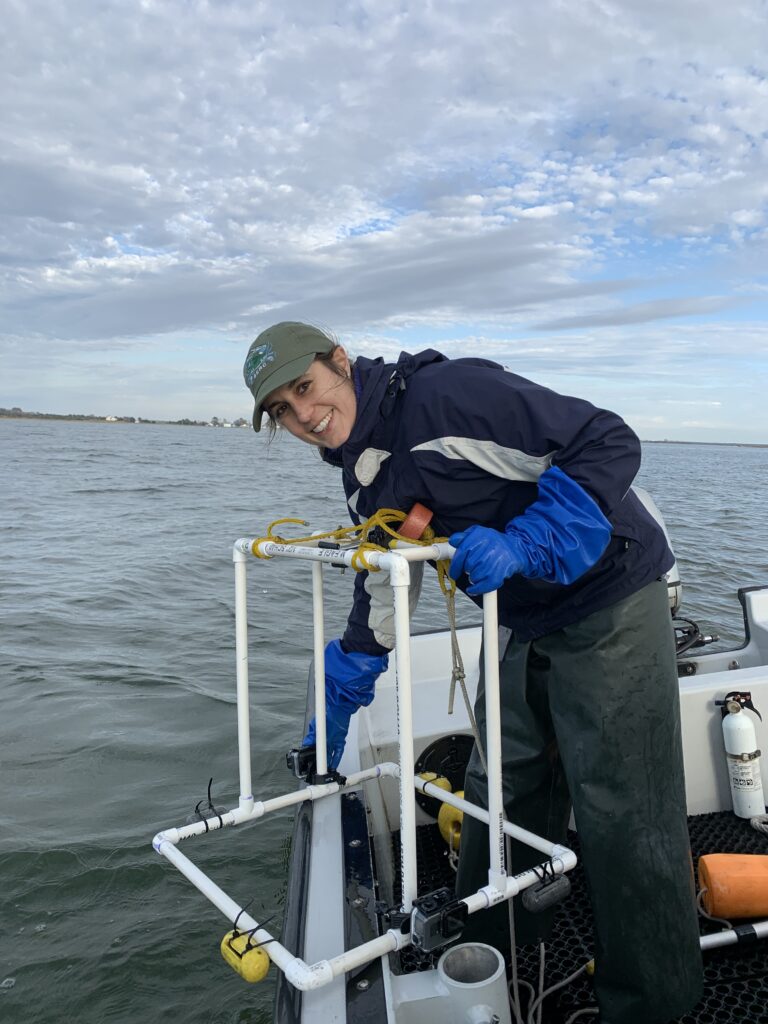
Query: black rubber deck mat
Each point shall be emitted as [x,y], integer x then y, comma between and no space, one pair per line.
[735,977]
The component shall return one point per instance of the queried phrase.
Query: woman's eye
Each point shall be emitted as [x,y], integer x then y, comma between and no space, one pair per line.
[303,387]
[279,411]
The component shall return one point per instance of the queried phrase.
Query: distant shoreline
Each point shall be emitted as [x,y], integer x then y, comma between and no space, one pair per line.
[20,414]
[722,444]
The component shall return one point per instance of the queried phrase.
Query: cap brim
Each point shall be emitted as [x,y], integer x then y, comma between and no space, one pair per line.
[283,375]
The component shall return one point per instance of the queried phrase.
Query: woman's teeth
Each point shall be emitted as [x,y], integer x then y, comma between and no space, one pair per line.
[322,424]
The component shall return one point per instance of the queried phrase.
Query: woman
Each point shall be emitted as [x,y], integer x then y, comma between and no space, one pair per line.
[533,490]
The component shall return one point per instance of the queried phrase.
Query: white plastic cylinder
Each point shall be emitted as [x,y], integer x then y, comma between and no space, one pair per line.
[400,579]
[318,620]
[241,658]
[743,762]
[497,874]
[475,980]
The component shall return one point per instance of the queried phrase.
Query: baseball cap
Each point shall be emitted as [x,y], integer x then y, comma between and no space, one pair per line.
[279,355]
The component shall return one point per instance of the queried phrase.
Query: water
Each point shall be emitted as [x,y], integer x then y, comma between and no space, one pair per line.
[116,654]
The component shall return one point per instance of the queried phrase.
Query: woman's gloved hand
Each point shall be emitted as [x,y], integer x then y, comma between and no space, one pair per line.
[558,538]
[487,556]
[350,679]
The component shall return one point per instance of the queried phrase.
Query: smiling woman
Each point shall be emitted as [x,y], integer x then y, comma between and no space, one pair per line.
[302,379]
[533,491]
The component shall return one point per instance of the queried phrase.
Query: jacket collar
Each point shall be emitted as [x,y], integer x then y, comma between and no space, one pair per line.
[378,386]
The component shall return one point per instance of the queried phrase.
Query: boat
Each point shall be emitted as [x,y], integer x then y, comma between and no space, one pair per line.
[372,930]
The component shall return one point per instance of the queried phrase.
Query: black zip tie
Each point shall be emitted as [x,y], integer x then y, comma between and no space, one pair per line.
[548,873]
[209,807]
[250,944]
[256,945]
[240,912]
[210,804]
[200,816]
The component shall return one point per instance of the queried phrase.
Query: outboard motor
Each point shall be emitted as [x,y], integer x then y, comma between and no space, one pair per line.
[687,633]
[674,586]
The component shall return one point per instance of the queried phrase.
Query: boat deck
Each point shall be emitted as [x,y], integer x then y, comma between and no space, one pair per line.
[735,977]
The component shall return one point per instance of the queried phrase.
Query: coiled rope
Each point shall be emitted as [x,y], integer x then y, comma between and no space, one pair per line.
[383,521]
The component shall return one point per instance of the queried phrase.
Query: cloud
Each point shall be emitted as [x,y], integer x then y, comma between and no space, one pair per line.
[644,312]
[181,169]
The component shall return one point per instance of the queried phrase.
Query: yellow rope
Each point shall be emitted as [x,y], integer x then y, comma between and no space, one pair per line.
[383,519]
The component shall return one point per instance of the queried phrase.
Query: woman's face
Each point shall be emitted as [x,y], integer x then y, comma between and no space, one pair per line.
[320,406]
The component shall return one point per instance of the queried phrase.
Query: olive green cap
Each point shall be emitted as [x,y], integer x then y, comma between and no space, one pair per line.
[279,355]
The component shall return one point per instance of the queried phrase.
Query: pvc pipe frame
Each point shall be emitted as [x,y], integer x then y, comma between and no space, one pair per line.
[500,886]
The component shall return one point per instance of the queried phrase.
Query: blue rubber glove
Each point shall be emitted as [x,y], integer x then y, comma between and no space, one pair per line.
[557,538]
[350,680]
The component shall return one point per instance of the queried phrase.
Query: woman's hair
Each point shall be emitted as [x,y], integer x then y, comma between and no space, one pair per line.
[321,357]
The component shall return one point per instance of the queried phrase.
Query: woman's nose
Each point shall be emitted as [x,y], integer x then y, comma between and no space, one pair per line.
[303,409]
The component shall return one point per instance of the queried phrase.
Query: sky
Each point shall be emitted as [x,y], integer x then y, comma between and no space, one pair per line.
[577,189]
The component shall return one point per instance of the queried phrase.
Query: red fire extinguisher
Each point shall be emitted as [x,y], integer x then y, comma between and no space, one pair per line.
[742,754]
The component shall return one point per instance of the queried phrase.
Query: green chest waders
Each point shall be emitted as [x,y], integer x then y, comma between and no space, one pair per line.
[591,718]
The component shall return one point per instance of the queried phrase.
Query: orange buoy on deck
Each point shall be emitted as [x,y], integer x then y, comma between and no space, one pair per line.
[734,884]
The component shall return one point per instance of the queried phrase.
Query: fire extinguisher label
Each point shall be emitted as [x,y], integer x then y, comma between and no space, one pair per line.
[746,788]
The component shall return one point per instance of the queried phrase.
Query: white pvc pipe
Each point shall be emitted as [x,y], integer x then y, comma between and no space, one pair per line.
[277,953]
[387,943]
[271,549]
[497,871]
[241,662]
[303,976]
[400,580]
[242,815]
[474,811]
[731,936]
[389,769]
[319,645]
[423,552]
[489,895]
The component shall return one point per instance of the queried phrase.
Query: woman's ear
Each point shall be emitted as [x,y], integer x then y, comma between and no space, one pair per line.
[341,359]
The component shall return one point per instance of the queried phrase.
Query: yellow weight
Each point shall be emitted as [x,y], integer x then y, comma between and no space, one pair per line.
[437,780]
[251,964]
[449,821]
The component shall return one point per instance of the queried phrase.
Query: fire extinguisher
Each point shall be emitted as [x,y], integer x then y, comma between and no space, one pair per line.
[742,754]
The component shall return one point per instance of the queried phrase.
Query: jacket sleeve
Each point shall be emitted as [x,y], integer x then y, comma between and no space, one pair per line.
[468,419]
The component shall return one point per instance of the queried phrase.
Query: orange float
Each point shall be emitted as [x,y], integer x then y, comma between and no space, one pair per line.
[734,884]
[416,522]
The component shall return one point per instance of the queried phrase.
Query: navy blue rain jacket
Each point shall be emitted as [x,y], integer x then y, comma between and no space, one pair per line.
[470,440]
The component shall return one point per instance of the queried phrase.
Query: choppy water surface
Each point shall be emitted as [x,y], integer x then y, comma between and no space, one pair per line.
[116,654]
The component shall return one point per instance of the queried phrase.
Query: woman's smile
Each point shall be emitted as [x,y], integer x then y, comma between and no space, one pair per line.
[323,424]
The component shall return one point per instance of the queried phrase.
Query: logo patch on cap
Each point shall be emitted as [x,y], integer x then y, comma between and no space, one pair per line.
[258,359]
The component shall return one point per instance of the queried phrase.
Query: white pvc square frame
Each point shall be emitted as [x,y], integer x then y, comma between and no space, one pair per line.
[500,887]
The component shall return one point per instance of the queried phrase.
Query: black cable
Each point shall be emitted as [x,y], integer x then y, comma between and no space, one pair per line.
[690,635]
